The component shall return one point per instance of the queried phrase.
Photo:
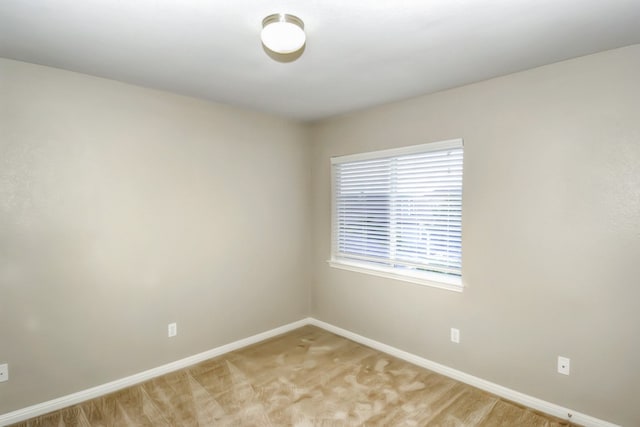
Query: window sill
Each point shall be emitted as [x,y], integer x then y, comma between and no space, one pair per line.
[426,279]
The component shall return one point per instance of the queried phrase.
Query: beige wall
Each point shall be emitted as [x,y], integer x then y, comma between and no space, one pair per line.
[123,209]
[551,233]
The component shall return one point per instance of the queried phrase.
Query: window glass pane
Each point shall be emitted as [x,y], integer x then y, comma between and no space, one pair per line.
[403,211]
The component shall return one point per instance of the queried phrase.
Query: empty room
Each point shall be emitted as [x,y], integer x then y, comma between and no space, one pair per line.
[306,213]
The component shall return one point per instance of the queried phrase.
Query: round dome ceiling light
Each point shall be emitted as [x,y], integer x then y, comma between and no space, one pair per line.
[283,33]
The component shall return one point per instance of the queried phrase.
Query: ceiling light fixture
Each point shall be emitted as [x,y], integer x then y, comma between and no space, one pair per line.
[283,33]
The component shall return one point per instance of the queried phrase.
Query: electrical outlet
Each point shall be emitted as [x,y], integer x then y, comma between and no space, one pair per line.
[455,335]
[564,365]
[4,372]
[172,330]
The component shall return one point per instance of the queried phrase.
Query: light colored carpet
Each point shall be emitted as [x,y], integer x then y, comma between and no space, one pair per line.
[308,377]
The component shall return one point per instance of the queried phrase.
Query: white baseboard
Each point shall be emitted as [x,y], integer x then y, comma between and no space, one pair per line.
[101,390]
[507,393]
[92,393]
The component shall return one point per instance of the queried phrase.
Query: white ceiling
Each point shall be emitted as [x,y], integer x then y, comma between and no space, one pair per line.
[359,52]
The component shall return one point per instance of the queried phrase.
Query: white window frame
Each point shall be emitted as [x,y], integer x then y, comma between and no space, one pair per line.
[434,279]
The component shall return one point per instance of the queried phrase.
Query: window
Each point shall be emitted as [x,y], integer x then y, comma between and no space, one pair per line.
[398,213]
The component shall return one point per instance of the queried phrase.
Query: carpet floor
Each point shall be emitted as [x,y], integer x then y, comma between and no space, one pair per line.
[307,377]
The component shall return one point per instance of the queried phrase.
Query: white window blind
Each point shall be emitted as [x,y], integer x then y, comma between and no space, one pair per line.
[400,211]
